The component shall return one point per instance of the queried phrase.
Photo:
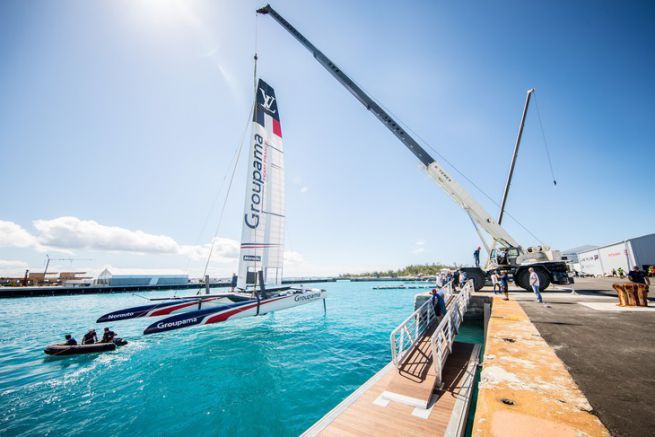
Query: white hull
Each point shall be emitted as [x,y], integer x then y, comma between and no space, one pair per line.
[215,313]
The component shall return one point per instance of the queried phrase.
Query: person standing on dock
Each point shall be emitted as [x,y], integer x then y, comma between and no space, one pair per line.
[476,256]
[504,283]
[494,281]
[439,301]
[638,277]
[440,280]
[462,279]
[535,284]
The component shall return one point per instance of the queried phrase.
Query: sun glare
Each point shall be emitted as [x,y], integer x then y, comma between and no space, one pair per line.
[163,13]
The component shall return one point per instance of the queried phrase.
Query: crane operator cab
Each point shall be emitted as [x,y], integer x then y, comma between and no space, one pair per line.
[504,256]
[513,256]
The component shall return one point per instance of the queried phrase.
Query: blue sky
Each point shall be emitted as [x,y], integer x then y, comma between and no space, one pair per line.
[119,119]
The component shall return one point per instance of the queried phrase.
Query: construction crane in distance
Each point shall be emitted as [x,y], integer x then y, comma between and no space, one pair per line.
[48,259]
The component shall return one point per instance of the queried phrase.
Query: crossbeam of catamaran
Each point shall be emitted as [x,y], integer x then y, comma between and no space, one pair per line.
[259,282]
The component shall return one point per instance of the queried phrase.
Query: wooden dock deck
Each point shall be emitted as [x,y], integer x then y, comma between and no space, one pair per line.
[393,401]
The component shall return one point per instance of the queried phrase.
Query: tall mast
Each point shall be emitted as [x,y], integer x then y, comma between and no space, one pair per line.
[516,152]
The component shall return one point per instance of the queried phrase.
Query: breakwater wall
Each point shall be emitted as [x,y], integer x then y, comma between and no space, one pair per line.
[13,292]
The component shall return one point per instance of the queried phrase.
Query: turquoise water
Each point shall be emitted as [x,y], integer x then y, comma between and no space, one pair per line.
[271,375]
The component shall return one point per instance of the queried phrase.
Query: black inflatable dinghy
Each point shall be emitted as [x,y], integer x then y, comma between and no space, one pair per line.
[65,349]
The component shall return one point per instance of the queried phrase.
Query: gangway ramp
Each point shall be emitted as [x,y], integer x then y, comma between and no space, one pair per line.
[419,392]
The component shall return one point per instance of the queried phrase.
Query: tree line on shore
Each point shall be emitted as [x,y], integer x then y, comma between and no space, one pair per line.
[413,270]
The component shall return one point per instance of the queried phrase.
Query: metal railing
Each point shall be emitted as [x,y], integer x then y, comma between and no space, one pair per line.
[407,334]
[441,341]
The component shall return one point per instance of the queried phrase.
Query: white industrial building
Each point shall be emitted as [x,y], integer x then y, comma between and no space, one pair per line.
[107,278]
[571,255]
[625,254]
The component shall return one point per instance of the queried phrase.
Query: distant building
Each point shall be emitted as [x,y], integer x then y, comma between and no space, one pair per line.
[107,278]
[571,255]
[625,254]
[75,279]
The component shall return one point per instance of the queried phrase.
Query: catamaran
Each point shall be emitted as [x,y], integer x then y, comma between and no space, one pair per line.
[259,288]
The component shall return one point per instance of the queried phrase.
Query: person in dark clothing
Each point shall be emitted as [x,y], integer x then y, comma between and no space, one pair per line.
[476,256]
[90,337]
[441,302]
[638,277]
[463,277]
[434,299]
[70,341]
[108,336]
[438,301]
[504,283]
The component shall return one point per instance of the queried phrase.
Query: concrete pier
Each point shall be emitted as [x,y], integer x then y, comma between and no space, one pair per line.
[525,389]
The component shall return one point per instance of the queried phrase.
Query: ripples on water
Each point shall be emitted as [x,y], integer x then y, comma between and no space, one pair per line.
[270,375]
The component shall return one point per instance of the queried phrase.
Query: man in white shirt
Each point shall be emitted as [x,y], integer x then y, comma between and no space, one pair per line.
[534,283]
[494,281]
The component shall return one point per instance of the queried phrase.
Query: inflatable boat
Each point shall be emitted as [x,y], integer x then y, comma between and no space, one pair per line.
[66,349]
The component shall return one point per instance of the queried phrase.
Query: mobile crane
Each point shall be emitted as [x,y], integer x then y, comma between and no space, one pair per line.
[514,258]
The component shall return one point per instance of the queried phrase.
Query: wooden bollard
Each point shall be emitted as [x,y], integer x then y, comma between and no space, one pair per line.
[620,292]
[631,292]
[642,295]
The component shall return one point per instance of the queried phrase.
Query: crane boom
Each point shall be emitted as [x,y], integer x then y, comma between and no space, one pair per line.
[475,211]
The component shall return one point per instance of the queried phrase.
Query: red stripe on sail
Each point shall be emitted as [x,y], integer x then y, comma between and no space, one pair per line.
[277,129]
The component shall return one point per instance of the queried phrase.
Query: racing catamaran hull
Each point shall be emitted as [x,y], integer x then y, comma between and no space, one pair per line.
[154,310]
[177,306]
[252,307]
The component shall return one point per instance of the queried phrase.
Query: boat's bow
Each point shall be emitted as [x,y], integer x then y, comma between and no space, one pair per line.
[158,309]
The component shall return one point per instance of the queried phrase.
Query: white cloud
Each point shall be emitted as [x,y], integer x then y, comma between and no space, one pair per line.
[304,189]
[419,247]
[12,267]
[73,233]
[293,258]
[66,233]
[13,235]
[225,250]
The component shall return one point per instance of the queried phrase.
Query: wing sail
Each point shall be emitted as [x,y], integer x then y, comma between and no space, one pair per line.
[262,236]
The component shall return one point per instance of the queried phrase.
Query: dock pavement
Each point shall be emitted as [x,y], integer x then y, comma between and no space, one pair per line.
[608,351]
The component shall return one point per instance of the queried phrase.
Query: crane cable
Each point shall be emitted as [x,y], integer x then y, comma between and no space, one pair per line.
[543,135]
[237,154]
[236,157]
[425,143]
